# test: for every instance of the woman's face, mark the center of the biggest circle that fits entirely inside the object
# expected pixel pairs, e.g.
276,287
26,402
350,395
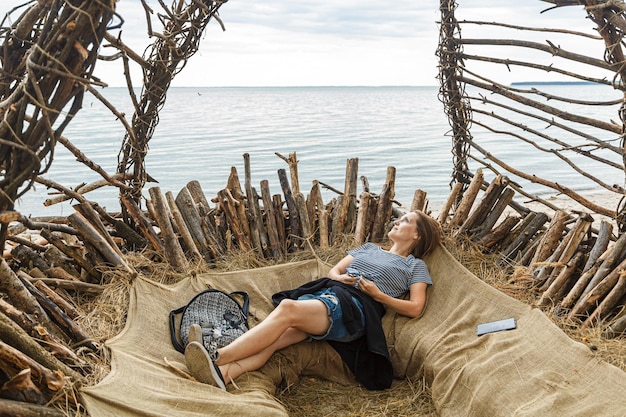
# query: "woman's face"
404,229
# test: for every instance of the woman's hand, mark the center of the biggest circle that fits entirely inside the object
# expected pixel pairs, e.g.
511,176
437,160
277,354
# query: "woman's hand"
347,279
338,272
369,288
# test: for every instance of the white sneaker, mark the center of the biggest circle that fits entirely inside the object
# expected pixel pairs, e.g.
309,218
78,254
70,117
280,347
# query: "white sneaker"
202,367
195,334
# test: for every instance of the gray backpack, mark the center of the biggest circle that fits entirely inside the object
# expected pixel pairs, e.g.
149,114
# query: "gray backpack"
221,317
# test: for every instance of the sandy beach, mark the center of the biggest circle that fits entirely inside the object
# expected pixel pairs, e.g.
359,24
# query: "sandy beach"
602,198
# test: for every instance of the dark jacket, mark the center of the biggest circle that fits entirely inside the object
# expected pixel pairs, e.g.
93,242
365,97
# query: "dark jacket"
367,357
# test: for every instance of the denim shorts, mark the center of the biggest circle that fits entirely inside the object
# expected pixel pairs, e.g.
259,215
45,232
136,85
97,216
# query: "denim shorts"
337,330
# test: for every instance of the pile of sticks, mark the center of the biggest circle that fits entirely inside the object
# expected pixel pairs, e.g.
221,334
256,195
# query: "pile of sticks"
576,268
190,228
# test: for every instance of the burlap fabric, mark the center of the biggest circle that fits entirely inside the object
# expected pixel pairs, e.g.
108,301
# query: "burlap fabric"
534,370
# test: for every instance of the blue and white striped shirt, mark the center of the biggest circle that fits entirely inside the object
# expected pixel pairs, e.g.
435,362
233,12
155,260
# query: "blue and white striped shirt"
391,273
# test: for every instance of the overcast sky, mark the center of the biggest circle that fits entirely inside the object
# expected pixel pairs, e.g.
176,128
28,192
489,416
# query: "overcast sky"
327,42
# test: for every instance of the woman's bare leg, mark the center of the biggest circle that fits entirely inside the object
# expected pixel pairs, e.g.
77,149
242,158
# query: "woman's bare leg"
232,370
307,316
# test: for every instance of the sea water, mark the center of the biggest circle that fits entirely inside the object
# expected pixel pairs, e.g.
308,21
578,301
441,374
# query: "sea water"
203,132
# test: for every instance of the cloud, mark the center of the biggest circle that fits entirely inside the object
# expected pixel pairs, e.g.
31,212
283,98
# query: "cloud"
349,18
322,42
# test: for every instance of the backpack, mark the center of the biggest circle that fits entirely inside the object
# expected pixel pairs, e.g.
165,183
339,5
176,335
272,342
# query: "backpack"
220,316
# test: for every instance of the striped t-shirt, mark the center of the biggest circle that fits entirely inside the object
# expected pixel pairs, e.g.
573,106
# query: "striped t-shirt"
392,274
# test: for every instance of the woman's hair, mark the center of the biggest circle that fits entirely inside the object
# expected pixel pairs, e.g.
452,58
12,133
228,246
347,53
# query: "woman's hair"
429,231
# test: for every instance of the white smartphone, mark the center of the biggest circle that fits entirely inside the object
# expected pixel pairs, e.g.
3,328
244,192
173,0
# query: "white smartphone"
496,326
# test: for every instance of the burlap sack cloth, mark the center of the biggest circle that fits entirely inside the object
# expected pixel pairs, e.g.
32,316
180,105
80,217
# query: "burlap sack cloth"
535,370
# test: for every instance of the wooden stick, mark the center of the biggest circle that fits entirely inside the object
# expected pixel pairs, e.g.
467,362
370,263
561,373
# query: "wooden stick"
529,251
19,338
242,215
91,235
18,317
58,349
517,246
142,223
86,188
12,361
499,232
590,269
26,242
21,297
593,297
58,272
292,162
335,218
11,408
550,239
617,253
280,221
73,252
462,211
383,212
582,226
229,205
360,233
314,203
559,285
609,302
272,227
92,217
198,196
187,207
616,329
348,209
261,226
9,216
27,256
602,242
576,292
492,217
234,185
54,256
525,221
21,386
294,218
69,326
445,210
183,230
173,251
485,205
419,201
77,286
254,213
323,224
65,305
152,213
542,273
307,232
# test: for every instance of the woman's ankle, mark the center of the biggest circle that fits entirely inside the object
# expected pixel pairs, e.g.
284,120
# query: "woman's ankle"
230,373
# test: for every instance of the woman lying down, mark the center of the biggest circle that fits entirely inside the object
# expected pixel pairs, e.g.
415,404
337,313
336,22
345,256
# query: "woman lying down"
345,309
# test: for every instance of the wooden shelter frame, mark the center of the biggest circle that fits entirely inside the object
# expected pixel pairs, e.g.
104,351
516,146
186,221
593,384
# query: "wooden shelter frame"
491,103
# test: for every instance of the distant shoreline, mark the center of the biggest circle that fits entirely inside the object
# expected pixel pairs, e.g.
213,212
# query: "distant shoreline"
554,83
